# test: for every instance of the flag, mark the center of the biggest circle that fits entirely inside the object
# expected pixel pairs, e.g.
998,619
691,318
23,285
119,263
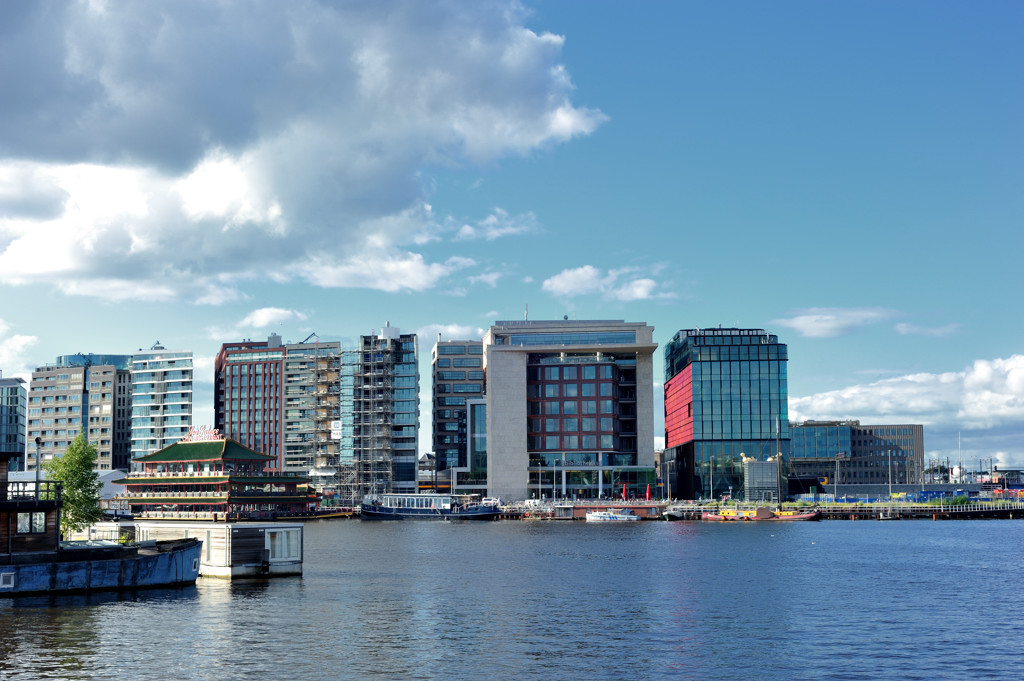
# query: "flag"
648,491
623,491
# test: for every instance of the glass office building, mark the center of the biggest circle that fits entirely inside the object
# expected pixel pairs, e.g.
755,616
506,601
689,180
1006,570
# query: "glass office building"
847,453
726,400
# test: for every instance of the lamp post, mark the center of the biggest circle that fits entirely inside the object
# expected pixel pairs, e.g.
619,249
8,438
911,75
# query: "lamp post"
39,466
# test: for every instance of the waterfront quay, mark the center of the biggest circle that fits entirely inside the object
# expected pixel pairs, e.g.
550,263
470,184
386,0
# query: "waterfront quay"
879,510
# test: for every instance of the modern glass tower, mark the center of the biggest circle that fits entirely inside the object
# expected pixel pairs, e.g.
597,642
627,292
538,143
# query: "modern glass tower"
726,400
161,398
13,409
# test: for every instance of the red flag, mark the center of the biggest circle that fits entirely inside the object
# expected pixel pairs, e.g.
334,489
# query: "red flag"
648,491
623,491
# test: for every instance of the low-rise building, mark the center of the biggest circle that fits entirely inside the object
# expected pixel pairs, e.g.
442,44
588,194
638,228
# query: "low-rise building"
212,480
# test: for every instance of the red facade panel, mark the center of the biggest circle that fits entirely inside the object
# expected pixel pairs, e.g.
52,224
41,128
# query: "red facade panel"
679,409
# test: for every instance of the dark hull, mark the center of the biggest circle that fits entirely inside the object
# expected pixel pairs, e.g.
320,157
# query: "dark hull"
170,563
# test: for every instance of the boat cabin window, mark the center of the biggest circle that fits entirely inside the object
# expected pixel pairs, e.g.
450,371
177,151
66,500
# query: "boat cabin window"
32,523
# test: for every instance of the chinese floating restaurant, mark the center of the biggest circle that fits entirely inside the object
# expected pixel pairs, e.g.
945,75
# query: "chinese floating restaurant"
214,479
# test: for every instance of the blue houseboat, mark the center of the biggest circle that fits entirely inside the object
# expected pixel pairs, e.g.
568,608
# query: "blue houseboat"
33,560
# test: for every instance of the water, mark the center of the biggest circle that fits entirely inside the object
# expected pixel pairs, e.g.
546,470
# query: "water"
562,600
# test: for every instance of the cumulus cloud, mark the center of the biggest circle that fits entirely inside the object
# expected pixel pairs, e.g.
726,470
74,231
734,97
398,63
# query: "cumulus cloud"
626,285
987,394
829,322
269,316
180,150
428,334
14,361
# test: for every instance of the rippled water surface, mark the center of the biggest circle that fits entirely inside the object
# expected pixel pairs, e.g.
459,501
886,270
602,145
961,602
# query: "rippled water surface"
563,600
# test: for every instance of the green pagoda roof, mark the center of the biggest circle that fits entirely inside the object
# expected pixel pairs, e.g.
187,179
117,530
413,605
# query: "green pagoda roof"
207,450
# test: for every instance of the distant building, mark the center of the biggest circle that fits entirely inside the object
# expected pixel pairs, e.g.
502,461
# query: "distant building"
384,399
847,453
160,398
458,378
568,410
725,398
83,393
346,417
13,421
247,396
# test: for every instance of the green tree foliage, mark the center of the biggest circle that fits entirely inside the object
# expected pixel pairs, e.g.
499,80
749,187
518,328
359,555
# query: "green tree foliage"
81,485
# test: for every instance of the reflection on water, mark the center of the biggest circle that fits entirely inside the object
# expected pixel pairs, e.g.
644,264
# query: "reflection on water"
559,600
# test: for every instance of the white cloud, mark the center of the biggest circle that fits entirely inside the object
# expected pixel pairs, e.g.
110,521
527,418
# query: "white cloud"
202,369
160,151
14,361
490,278
829,322
911,329
269,316
987,394
498,224
626,284
383,272
428,334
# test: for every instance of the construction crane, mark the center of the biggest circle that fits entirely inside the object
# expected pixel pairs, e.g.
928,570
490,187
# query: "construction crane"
312,335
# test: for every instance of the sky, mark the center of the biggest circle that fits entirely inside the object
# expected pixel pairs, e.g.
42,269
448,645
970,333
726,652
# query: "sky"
845,175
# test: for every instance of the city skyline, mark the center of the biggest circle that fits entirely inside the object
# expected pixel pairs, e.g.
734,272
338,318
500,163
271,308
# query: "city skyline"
846,177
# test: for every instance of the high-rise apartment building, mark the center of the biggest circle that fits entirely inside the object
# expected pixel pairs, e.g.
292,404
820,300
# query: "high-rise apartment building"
847,453
13,421
160,398
384,399
726,401
346,417
83,393
458,377
569,409
247,395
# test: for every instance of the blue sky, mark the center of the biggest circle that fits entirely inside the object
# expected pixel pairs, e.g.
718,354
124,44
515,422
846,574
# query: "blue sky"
846,175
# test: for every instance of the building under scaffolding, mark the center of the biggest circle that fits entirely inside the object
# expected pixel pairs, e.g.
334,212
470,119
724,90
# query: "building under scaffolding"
346,417
379,394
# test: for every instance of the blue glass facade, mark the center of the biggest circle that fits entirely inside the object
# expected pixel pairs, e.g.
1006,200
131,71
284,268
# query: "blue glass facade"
730,401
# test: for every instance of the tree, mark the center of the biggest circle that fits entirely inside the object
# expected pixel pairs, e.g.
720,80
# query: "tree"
81,485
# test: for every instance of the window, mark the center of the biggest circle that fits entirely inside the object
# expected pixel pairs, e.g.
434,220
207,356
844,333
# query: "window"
589,406
570,442
551,390
551,408
606,389
570,407
32,523
283,544
569,373
551,442
552,425
551,373
589,390
590,372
